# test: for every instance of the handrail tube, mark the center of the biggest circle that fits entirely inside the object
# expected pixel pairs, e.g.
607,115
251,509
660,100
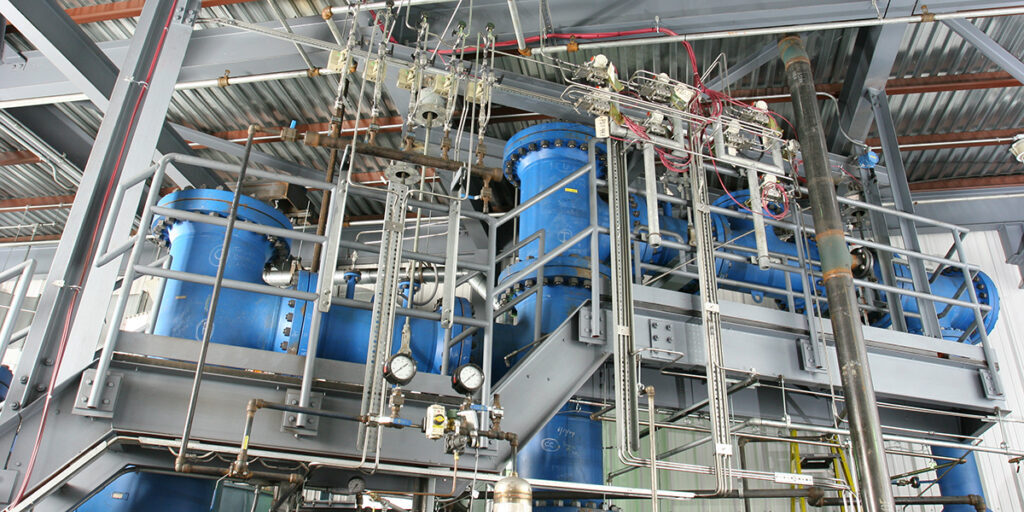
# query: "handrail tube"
13,271
536,198
253,227
381,195
228,283
546,258
28,267
119,250
418,256
519,245
409,312
979,322
114,327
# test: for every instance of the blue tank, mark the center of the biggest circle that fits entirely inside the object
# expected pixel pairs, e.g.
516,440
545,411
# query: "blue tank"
268,322
954,320
242,317
152,492
567,449
5,381
959,480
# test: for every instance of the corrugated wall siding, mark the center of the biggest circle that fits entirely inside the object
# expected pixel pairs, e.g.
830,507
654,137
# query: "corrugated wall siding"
1000,478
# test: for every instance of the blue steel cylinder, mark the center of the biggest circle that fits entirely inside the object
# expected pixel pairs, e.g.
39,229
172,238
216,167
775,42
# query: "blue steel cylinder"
567,449
134,492
729,228
243,318
5,381
960,479
955,320
345,332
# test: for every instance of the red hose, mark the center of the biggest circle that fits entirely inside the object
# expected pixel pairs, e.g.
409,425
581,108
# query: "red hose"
66,328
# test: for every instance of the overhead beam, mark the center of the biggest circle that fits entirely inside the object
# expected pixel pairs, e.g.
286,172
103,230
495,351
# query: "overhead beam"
126,9
75,56
874,54
18,158
979,182
767,54
991,49
901,86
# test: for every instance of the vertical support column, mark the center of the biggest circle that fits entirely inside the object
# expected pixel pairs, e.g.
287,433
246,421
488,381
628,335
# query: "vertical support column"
880,232
127,139
904,202
626,392
862,409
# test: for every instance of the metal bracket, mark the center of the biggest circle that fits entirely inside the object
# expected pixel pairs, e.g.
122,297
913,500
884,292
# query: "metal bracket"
586,333
662,336
988,384
108,397
288,419
811,360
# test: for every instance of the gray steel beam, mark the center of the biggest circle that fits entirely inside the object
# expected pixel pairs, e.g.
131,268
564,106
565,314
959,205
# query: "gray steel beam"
66,326
874,54
745,67
904,202
256,157
991,49
74,55
58,130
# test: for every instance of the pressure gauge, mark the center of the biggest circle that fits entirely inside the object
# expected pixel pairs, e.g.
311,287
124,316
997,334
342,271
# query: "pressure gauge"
400,369
467,379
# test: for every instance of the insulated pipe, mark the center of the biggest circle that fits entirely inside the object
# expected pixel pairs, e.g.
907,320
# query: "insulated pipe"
865,426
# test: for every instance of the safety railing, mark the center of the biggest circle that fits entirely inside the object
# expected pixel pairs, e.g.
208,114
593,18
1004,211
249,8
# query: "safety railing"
154,175
23,273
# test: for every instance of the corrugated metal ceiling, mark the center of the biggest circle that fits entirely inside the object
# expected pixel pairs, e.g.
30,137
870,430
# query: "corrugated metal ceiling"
927,50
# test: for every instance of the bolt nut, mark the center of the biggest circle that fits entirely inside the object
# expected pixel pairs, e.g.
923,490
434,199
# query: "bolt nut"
287,331
291,419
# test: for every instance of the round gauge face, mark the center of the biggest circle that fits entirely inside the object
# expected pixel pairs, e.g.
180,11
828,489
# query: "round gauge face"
400,369
468,378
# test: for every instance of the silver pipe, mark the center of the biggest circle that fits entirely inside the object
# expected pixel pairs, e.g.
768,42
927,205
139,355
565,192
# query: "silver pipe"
154,310
28,267
513,11
211,313
807,27
375,6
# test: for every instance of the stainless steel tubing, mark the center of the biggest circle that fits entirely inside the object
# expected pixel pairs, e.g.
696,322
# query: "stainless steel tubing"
214,298
865,426
375,6
240,224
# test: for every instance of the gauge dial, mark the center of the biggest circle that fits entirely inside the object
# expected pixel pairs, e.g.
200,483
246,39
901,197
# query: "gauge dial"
400,369
467,379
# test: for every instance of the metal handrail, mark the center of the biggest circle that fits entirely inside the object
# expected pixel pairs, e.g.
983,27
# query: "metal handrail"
24,272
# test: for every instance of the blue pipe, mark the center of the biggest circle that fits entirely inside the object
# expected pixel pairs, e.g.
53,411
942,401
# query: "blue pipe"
960,479
540,156
567,449
267,322
152,492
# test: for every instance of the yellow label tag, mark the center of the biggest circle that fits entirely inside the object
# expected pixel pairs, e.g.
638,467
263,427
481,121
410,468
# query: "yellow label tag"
245,443
574,191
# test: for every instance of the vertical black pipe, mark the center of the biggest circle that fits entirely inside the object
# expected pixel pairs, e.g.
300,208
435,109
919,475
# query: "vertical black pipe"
865,427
